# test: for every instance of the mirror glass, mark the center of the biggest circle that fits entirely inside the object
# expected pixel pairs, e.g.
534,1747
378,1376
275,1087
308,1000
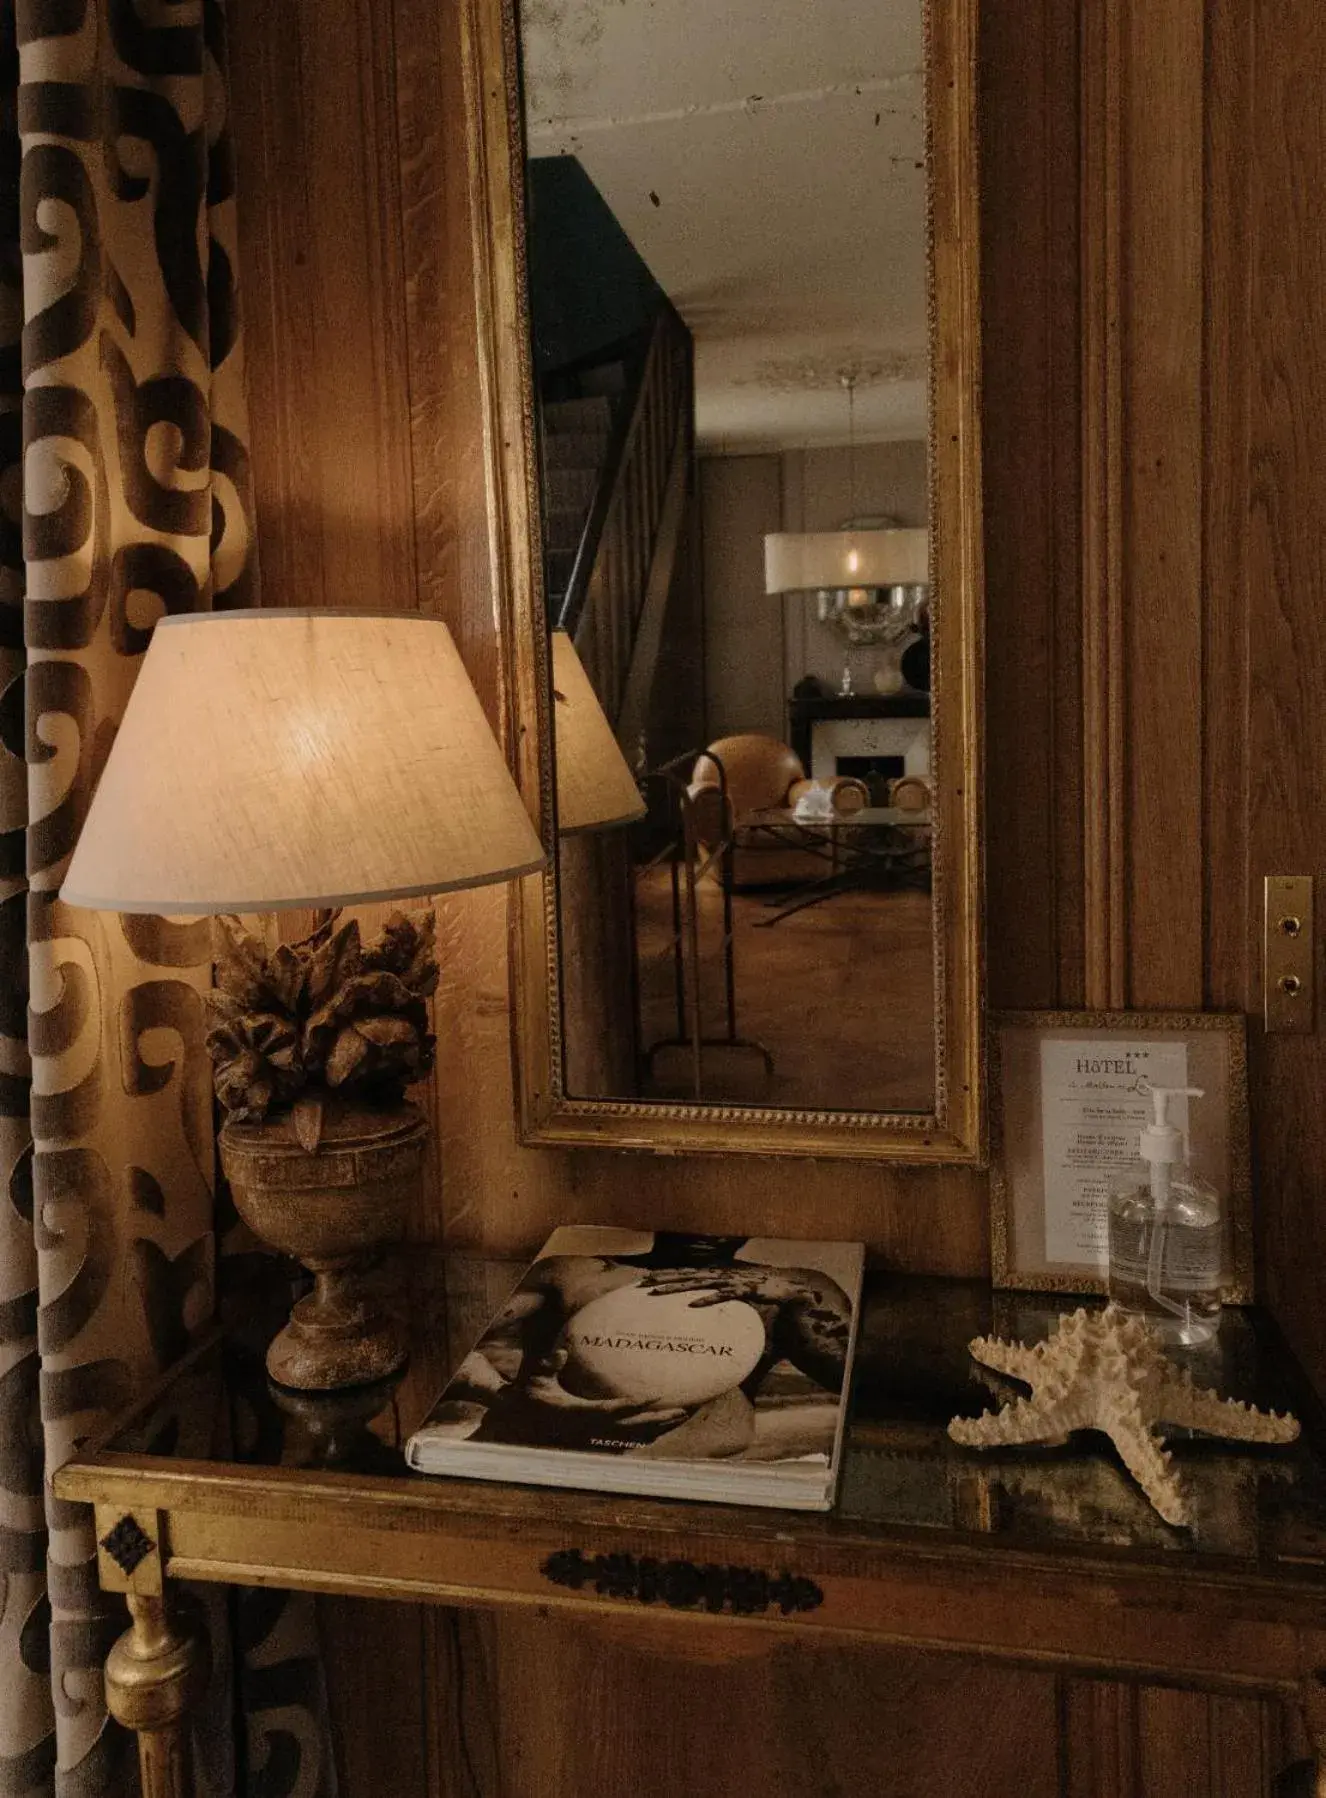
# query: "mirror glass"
727,275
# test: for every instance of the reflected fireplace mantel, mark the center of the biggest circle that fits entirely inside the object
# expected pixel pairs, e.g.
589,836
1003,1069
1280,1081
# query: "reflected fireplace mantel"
804,714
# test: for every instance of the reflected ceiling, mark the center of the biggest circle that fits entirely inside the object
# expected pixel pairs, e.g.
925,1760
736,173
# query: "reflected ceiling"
767,162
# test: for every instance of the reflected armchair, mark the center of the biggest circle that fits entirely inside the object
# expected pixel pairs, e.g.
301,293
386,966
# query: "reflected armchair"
761,774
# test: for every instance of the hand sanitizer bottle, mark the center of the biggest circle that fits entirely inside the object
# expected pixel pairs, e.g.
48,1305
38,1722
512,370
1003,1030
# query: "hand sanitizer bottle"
1165,1236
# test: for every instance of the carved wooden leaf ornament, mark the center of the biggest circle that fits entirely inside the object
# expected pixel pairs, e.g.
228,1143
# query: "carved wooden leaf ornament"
241,961
306,1114
329,1013
332,963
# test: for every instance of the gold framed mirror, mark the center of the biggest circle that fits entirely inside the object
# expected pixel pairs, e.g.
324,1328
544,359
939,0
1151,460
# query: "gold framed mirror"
727,291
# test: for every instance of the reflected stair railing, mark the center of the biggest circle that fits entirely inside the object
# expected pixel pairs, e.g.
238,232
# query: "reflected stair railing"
619,583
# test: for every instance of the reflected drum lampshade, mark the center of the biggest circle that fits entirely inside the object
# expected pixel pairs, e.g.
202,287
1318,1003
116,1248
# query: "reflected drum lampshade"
595,788
818,561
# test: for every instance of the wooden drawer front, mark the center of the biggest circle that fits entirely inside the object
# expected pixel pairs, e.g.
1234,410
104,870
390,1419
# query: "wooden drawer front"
1089,1621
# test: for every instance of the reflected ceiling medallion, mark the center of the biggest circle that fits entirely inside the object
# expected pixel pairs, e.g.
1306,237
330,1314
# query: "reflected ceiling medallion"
870,579
835,370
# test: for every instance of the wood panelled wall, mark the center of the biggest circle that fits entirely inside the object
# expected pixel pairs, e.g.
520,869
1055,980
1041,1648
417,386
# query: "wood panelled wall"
1155,390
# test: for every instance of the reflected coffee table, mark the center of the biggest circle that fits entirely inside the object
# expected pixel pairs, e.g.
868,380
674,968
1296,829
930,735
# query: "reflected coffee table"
881,846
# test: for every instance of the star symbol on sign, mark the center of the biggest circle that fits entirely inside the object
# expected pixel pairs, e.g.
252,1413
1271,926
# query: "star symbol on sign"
1108,1371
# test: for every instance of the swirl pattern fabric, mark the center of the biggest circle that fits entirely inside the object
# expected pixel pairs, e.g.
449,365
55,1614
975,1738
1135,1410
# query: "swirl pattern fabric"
124,495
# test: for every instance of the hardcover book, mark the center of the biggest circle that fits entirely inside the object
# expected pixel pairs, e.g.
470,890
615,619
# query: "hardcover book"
680,1366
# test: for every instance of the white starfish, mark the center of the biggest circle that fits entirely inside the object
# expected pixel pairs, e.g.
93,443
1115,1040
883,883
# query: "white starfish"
1107,1370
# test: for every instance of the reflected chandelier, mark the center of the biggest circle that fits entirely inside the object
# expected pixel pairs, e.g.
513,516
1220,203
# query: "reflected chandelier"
870,583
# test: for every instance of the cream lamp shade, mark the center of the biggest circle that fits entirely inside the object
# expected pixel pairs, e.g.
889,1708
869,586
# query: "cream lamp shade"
283,758
595,787
813,561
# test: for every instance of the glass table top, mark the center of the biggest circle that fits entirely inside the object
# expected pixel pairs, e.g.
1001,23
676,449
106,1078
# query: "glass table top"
1263,1508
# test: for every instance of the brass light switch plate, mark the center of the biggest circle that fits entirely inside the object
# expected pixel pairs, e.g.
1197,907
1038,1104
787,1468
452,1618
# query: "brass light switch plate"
1288,994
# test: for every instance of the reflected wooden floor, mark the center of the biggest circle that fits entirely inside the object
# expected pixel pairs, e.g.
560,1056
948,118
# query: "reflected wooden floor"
841,994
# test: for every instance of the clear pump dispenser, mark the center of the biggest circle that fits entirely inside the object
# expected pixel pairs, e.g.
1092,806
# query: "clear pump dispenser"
1165,1236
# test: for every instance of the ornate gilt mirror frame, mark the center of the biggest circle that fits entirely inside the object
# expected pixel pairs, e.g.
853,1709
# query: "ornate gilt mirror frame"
955,1130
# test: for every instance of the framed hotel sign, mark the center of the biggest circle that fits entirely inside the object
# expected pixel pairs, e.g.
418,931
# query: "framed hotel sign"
1069,1096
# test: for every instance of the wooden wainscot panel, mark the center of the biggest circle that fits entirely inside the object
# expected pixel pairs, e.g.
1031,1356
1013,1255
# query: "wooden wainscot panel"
552,1705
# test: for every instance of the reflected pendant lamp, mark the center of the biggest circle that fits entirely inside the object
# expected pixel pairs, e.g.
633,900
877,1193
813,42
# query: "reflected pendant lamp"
856,561
829,561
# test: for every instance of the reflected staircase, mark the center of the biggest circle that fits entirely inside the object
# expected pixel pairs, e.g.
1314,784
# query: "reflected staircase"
617,447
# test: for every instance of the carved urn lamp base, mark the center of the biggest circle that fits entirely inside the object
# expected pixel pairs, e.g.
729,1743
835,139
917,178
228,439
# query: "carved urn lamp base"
335,1337
334,1207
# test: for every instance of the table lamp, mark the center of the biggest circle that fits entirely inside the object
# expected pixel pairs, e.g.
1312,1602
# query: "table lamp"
595,787
278,759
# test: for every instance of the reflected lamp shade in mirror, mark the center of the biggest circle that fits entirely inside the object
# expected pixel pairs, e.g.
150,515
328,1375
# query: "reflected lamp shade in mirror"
595,787
271,759
813,561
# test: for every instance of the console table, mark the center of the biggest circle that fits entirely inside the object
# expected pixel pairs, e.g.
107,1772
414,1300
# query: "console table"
1048,1557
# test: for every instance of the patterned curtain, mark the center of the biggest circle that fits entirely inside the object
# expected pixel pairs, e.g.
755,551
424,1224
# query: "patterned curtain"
124,494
